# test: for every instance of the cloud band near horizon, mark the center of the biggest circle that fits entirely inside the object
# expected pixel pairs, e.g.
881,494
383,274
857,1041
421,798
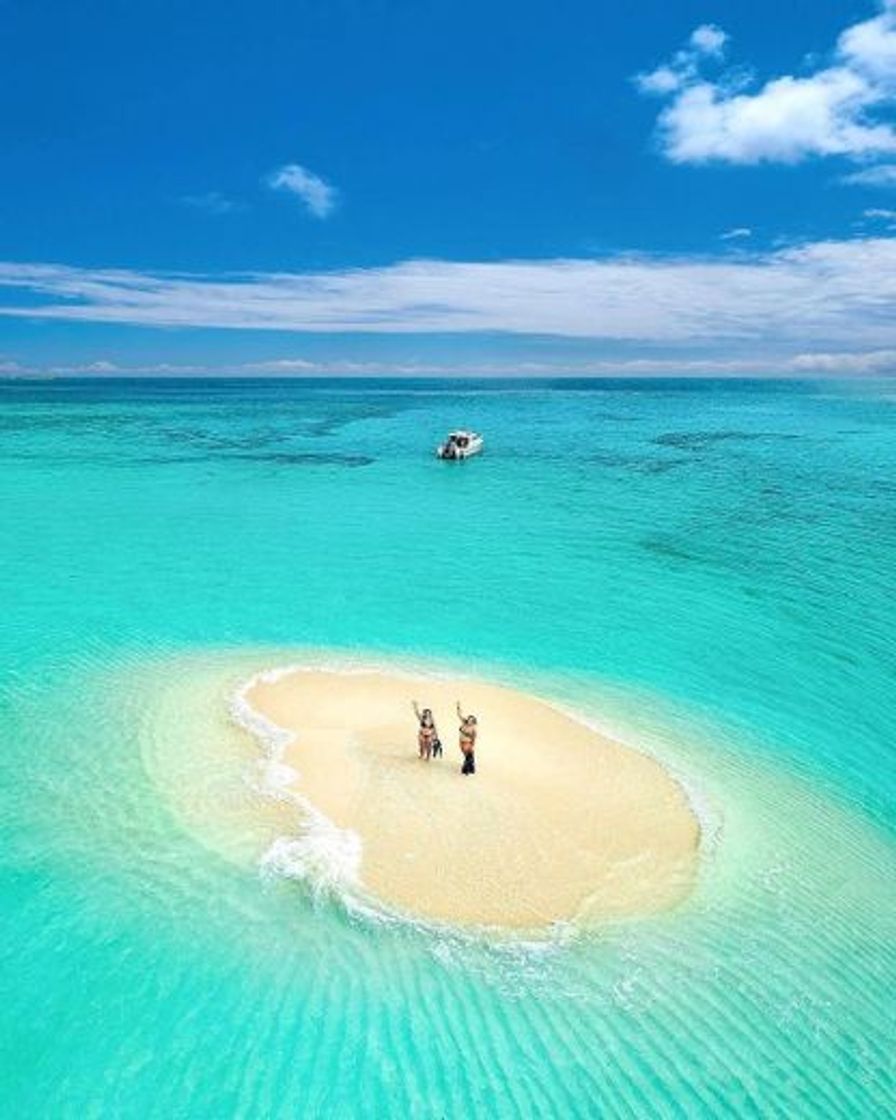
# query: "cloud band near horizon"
828,294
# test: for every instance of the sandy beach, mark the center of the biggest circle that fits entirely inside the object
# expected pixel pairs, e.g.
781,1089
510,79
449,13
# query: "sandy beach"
558,823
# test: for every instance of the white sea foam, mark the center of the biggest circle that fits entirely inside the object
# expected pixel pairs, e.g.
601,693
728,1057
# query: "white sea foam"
322,855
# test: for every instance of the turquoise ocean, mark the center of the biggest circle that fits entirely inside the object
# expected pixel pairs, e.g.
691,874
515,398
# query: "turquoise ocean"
705,568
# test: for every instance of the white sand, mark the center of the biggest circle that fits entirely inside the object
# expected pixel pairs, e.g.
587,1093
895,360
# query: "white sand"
558,823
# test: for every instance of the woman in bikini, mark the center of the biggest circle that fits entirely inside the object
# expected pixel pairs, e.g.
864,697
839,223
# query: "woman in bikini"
468,729
427,736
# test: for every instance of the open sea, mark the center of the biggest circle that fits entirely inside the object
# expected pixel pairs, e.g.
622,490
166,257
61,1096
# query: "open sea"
706,568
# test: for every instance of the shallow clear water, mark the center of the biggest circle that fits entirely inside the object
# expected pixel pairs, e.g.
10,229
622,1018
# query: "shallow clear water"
707,568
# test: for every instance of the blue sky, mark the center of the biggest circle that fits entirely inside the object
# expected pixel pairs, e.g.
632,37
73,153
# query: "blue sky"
340,187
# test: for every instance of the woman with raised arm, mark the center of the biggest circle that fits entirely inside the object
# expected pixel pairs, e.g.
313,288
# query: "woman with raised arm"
427,736
468,729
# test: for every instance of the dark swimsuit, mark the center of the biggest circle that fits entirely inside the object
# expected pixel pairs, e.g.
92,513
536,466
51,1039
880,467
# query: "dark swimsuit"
429,738
469,766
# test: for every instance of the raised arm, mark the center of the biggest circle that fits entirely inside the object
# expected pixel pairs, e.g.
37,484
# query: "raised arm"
416,708
460,714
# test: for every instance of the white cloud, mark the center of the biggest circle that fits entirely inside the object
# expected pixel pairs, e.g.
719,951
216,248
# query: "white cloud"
283,365
838,293
835,364
212,202
884,175
113,369
870,47
876,213
708,39
317,195
736,234
839,110
845,363
100,367
768,365
665,79
870,362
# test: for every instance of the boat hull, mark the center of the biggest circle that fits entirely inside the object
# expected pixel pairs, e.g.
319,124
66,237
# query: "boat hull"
456,454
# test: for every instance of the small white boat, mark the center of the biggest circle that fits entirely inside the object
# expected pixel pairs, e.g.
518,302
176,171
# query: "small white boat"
460,445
